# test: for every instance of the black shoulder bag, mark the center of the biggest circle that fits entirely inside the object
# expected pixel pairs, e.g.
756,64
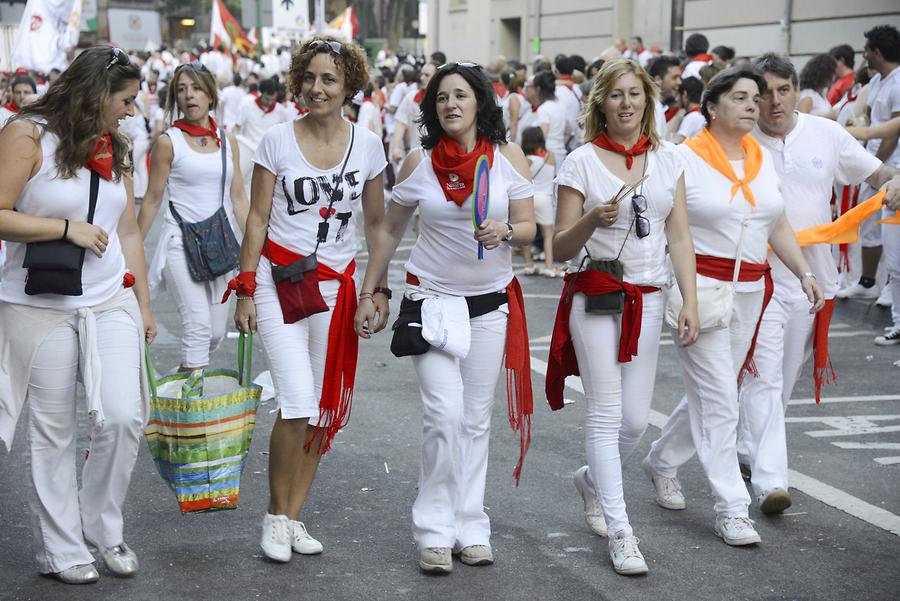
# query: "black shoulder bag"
210,245
54,266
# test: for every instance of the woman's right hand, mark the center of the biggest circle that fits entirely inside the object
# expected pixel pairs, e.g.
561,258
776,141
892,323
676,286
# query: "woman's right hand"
364,321
604,215
88,236
245,315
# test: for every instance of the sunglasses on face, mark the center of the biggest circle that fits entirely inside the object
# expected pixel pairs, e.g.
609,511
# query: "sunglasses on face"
118,58
324,46
641,223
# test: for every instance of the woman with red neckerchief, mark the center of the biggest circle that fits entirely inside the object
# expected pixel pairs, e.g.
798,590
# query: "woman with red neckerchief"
449,284
187,159
736,211
310,177
605,212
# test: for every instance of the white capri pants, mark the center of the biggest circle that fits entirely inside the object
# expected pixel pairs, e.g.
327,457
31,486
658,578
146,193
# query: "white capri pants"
706,419
64,517
457,401
618,396
295,352
203,315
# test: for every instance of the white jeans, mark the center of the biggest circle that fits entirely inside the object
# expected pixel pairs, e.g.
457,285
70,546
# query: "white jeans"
706,419
63,516
618,396
782,348
890,236
203,315
457,400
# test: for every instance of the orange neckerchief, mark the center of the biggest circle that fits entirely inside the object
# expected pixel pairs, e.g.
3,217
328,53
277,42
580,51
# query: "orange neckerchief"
708,148
844,229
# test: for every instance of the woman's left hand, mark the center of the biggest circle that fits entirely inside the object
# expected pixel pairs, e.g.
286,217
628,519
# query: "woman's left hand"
814,293
688,325
149,325
491,233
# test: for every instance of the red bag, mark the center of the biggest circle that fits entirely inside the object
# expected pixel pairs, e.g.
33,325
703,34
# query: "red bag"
297,285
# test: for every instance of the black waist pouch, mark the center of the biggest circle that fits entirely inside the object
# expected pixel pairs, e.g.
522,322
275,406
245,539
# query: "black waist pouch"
611,303
407,340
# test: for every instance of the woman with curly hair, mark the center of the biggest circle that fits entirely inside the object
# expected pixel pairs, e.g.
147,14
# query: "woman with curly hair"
68,182
816,77
474,294
310,176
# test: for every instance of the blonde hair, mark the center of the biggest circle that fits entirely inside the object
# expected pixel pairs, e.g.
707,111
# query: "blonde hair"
606,78
200,76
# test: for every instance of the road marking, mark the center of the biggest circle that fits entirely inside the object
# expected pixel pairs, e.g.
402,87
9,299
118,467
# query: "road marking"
848,399
894,446
851,425
887,460
810,486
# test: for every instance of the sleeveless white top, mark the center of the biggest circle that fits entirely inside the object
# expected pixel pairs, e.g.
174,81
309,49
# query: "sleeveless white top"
48,195
195,180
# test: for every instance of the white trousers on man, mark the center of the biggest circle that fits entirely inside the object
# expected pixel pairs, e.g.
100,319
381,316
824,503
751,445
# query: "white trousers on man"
617,394
64,517
890,236
706,418
782,348
457,402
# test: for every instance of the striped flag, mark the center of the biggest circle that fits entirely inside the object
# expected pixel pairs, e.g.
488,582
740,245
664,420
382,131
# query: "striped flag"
225,30
346,23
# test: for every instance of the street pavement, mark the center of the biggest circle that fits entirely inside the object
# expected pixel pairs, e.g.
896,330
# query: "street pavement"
839,541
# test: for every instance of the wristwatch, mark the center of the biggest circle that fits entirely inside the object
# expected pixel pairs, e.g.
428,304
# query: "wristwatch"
509,234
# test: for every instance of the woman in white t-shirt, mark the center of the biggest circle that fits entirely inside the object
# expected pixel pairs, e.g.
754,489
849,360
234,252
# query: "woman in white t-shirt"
187,160
472,307
606,212
68,144
550,114
513,104
310,177
542,165
816,77
735,209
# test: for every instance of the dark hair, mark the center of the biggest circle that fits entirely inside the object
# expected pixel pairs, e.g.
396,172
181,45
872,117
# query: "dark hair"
696,44
564,65
885,38
693,87
73,106
578,62
723,82
268,86
489,116
438,58
532,139
236,80
724,52
660,65
777,65
408,73
818,72
541,66
545,84
843,53
639,39
509,79
23,79
597,64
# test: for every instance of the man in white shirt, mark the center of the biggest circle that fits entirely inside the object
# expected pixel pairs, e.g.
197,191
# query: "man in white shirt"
404,81
230,102
693,120
569,96
666,73
636,51
257,117
696,47
809,154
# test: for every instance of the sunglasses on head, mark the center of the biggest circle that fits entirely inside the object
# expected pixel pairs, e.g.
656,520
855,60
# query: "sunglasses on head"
324,46
194,65
641,223
118,58
467,65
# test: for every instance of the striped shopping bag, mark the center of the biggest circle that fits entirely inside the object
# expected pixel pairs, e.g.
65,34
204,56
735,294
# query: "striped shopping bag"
200,430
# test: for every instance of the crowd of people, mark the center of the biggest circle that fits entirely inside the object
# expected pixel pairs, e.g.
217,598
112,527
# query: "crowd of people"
666,190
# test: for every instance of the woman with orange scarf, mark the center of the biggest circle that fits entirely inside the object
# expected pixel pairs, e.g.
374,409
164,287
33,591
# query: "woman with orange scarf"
736,211
446,280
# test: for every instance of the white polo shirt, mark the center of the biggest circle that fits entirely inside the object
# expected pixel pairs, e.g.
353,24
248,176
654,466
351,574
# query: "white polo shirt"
814,156
884,100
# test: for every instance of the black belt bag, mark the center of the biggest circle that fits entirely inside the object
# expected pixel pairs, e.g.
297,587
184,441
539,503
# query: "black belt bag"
54,267
609,303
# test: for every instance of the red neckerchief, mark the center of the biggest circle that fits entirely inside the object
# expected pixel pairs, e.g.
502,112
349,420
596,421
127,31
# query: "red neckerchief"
101,160
641,146
341,351
365,99
455,168
823,370
301,110
500,89
566,80
540,152
535,107
671,112
702,57
265,110
11,106
695,109
420,94
563,362
255,94
192,129
723,270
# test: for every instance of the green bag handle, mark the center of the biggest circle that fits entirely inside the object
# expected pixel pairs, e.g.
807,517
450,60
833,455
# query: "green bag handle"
245,361
151,373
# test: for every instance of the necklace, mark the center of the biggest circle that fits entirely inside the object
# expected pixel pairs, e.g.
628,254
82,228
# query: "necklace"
203,141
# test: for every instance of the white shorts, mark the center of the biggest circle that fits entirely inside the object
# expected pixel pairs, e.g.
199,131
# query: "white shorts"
544,212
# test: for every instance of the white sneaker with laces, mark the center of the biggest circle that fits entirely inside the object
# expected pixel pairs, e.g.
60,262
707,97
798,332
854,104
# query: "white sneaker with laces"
276,537
625,555
593,511
736,531
668,490
436,560
889,339
302,542
857,290
886,298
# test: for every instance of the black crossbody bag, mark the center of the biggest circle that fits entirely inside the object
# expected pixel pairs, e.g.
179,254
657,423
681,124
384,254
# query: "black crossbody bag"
210,245
54,266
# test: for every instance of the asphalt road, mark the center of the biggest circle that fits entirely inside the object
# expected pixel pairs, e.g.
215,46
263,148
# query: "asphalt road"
840,541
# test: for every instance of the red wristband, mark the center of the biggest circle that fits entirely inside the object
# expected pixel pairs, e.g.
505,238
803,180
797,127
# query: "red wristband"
244,284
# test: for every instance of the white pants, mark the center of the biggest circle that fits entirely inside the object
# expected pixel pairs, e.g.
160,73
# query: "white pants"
457,400
203,315
139,158
890,236
618,396
63,516
782,348
869,230
706,419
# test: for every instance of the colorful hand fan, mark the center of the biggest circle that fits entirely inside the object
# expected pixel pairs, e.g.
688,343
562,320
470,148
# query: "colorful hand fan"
481,196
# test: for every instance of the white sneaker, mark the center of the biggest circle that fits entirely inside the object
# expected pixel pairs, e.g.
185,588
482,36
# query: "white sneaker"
593,511
625,555
436,560
774,500
668,490
857,290
886,298
302,542
889,339
736,531
476,555
276,537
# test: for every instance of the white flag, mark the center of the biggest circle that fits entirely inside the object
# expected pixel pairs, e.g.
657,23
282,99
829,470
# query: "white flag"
48,30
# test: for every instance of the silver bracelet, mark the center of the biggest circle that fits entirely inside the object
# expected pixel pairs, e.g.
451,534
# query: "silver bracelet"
807,274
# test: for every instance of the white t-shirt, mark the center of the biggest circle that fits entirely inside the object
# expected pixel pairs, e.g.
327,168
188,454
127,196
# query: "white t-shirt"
398,92
552,113
643,259
884,99
255,122
369,117
820,106
230,102
691,124
47,195
692,69
814,156
407,113
445,257
660,116
570,100
542,174
716,223
302,193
